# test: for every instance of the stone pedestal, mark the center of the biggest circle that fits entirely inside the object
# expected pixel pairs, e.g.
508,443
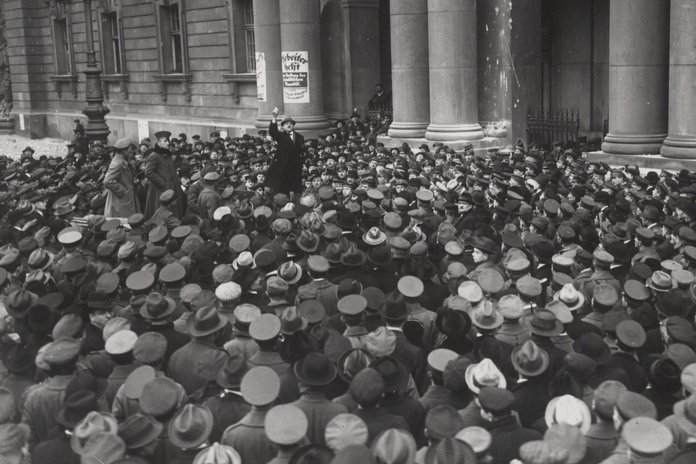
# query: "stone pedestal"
410,72
638,76
681,141
300,32
453,71
267,41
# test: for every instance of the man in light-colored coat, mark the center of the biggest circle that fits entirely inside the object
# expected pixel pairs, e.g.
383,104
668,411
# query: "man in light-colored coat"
121,201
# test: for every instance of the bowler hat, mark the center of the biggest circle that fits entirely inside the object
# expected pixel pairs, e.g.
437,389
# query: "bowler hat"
315,369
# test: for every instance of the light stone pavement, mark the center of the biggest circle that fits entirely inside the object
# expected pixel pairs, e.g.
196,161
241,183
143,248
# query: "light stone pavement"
12,145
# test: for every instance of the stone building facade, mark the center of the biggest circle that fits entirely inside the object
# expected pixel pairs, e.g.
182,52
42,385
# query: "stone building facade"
458,70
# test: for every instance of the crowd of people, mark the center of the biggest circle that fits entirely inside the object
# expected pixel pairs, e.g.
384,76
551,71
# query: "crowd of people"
276,299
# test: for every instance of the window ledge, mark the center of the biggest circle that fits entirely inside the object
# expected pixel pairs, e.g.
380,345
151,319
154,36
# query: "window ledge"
234,79
239,77
63,77
184,79
60,80
174,77
114,77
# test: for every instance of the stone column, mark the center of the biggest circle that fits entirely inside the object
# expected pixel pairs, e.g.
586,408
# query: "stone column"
267,37
410,76
300,31
681,141
638,76
453,71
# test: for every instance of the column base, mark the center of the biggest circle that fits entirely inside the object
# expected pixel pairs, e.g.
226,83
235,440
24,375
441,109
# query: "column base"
262,121
633,144
676,147
450,132
644,162
407,130
480,146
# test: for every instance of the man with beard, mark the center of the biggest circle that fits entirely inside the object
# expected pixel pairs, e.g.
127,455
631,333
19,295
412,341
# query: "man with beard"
161,172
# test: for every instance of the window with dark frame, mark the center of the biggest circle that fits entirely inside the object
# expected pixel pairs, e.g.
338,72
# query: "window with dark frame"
111,43
62,46
175,38
249,43
172,39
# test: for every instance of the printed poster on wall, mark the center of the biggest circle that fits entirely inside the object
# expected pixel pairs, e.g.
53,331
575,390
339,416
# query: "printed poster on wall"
261,76
295,68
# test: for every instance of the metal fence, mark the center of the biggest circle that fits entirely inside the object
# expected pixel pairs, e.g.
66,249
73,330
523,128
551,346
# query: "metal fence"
547,128
381,109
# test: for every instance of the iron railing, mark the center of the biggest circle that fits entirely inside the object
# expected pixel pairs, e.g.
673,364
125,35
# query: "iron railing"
547,128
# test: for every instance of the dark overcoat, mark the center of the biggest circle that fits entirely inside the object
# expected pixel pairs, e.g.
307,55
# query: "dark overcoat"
285,173
161,174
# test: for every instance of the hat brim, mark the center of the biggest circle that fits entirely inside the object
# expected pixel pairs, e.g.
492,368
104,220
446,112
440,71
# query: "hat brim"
530,373
25,312
171,306
182,443
307,249
191,329
304,325
298,275
147,439
680,415
526,322
469,379
318,381
586,416
493,325
580,303
652,286
363,260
